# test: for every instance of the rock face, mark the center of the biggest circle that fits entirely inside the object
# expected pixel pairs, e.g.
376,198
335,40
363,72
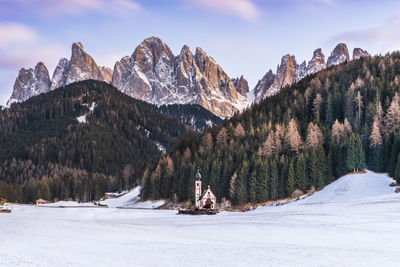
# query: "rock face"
80,67
317,63
339,55
30,82
107,74
60,74
289,72
359,53
263,85
241,85
153,74
286,74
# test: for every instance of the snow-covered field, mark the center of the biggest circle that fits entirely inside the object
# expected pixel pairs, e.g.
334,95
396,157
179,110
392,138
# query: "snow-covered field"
355,221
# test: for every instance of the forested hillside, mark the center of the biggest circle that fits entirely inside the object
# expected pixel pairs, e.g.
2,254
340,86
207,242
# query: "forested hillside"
78,142
341,119
192,115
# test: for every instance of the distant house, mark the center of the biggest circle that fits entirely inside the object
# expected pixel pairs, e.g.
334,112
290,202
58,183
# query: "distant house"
41,201
205,199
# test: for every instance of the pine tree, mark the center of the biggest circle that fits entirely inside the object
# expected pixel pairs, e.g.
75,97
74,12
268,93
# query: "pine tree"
397,170
291,186
351,157
262,181
301,172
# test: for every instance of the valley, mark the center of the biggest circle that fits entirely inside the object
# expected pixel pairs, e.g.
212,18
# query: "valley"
350,222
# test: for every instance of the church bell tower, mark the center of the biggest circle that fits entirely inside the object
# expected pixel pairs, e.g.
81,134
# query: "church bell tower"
197,190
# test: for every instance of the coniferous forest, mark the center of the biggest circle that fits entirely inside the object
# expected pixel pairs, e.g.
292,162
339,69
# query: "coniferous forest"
342,119
45,152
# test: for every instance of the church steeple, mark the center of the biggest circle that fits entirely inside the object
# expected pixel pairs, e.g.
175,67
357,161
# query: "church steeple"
198,175
197,190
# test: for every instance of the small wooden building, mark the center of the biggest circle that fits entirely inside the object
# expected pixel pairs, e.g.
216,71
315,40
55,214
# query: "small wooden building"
41,201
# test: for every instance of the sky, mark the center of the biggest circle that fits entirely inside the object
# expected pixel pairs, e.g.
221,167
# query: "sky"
246,37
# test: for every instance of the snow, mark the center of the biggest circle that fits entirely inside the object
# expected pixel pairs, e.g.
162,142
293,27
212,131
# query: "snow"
82,119
61,204
132,200
352,222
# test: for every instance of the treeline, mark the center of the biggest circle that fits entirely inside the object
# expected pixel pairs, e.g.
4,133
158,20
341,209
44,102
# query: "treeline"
342,119
23,181
117,136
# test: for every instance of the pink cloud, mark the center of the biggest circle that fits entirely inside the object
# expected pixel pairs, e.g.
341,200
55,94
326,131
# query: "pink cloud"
385,35
76,7
244,9
13,33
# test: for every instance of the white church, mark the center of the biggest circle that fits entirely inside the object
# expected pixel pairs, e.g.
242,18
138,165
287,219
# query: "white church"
205,199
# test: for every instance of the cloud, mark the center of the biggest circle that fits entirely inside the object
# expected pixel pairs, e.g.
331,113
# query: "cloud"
244,9
21,46
385,35
75,7
13,33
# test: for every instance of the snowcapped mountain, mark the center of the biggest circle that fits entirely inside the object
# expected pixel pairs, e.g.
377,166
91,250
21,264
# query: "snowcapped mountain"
289,71
80,67
153,74
358,53
339,55
30,82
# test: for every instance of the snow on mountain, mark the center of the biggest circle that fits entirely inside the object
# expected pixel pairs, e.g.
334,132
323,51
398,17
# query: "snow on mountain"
60,74
339,55
153,74
359,53
83,119
289,71
80,67
30,82
317,63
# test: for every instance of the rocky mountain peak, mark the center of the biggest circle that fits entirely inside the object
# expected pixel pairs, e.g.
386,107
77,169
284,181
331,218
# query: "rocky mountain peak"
155,75
339,55
317,63
286,72
30,82
82,66
263,85
241,84
60,74
77,46
359,53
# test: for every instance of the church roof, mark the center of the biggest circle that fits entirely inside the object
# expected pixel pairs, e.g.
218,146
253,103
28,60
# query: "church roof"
205,191
198,175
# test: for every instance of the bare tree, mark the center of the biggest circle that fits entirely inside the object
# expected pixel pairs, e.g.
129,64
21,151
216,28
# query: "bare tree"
314,136
375,137
293,138
337,132
358,101
392,118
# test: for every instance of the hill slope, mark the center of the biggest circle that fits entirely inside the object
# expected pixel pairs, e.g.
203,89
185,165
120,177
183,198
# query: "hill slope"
341,119
78,132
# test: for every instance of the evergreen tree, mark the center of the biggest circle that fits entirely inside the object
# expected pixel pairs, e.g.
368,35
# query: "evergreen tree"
291,186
